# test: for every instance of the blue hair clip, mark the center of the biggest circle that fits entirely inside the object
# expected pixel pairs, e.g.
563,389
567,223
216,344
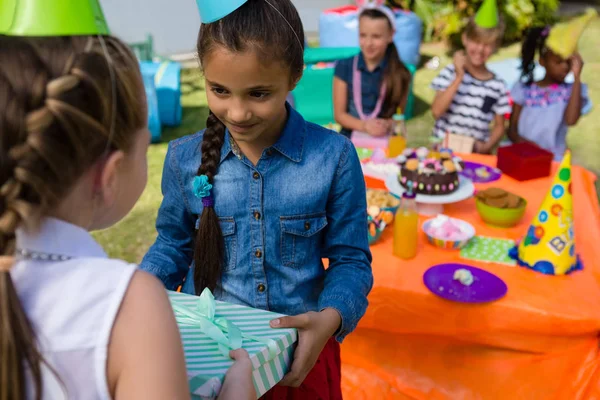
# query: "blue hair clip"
203,190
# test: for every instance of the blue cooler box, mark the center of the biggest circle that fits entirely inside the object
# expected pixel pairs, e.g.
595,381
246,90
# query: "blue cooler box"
167,80
153,114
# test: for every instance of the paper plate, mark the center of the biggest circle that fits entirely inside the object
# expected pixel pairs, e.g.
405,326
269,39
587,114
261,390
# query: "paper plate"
486,286
480,173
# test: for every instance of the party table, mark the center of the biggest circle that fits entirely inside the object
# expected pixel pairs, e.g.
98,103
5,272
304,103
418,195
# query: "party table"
538,342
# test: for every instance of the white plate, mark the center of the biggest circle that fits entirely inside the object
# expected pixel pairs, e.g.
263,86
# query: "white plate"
371,172
465,191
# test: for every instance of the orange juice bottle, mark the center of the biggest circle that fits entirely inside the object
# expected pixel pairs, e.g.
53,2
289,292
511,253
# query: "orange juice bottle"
397,142
406,227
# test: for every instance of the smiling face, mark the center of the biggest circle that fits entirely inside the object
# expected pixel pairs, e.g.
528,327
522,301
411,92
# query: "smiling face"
247,95
375,35
478,51
557,68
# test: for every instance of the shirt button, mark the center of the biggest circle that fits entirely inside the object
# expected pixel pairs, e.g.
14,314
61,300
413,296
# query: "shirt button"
261,288
256,175
307,225
256,215
258,253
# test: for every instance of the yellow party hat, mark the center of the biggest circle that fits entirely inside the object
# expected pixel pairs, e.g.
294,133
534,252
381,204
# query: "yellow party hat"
549,246
563,37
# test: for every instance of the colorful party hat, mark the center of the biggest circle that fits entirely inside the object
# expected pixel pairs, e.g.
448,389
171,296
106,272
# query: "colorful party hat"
213,10
52,18
487,15
563,37
549,245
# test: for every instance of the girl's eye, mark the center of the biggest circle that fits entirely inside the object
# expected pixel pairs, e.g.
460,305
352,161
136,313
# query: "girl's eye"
219,91
259,95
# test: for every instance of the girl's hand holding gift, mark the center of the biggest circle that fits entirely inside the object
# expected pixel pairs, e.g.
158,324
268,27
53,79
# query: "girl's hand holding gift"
314,331
238,381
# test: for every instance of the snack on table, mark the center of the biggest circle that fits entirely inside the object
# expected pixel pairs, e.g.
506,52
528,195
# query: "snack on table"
464,276
426,172
500,198
381,199
443,227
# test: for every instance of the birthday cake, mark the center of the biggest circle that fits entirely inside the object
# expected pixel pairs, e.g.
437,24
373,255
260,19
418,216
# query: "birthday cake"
429,173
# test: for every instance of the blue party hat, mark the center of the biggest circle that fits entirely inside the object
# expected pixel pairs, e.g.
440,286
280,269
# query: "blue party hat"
214,10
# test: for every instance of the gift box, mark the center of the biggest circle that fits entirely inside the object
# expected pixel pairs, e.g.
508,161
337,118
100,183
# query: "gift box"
210,329
525,161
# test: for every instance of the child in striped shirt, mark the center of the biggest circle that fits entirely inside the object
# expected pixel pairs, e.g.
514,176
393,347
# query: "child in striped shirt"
471,100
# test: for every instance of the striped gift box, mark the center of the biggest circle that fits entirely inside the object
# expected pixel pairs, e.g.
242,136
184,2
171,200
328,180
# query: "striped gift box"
207,366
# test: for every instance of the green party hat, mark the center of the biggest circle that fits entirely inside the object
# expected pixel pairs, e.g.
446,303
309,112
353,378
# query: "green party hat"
52,18
487,15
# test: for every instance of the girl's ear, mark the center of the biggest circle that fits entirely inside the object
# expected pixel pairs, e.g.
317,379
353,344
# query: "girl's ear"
464,39
294,82
107,181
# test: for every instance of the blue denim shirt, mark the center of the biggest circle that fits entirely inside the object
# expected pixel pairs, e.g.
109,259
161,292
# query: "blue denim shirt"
370,84
303,201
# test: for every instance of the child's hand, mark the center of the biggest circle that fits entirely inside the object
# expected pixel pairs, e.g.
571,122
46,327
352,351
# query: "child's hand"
481,147
377,127
238,383
314,330
576,65
460,60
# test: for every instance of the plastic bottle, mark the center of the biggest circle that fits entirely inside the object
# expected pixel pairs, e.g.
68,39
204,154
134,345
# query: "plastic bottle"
397,142
406,227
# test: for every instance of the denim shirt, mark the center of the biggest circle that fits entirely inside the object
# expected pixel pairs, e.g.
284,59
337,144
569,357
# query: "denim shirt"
303,201
370,84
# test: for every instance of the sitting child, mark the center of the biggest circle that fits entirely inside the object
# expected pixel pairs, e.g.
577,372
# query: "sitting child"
369,87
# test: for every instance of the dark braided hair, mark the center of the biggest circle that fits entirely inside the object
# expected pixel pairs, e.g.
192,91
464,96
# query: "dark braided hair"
535,42
259,26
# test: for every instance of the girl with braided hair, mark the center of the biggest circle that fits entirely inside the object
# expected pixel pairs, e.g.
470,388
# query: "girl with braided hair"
254,203
73,140
544,110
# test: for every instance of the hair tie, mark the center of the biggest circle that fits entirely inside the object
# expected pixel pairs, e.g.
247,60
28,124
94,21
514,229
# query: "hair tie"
546,31
203,190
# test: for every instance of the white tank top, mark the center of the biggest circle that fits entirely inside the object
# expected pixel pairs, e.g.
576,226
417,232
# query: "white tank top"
72,306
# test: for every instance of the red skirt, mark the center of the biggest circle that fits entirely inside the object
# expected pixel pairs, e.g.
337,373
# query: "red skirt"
324,381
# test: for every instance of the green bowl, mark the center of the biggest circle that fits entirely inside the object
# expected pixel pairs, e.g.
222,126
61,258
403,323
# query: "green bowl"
501,217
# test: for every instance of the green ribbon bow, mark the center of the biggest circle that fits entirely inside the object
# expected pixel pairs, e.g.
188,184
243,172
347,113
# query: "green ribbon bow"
227,335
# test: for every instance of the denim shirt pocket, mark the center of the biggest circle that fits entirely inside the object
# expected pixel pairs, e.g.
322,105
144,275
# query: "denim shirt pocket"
300,237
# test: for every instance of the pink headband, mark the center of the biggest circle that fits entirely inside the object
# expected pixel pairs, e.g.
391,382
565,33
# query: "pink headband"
381,8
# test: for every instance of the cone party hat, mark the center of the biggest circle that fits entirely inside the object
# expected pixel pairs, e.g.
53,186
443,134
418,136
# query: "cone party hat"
563,37
549,245
52,18
214,10
487,15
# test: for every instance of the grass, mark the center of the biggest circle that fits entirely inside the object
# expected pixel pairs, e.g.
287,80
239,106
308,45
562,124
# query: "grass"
131,238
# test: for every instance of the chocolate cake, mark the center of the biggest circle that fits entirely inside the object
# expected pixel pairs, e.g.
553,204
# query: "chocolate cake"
430,174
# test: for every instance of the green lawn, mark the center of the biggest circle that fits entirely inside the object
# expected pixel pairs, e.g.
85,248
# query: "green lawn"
131,238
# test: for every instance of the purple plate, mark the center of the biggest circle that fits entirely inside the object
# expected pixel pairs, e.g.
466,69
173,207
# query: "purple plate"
486,286
480,173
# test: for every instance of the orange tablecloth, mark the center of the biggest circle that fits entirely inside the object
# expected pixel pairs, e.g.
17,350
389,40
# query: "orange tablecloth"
538,342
